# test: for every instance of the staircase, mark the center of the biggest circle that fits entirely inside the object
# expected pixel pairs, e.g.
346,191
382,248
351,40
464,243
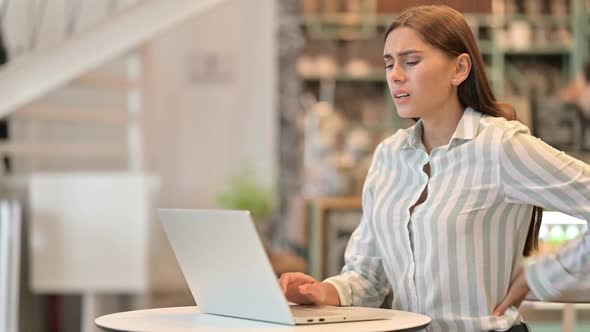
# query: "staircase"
91,124
101,69
74,103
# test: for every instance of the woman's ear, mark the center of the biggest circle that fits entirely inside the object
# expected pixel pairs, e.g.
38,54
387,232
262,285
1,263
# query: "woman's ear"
462,70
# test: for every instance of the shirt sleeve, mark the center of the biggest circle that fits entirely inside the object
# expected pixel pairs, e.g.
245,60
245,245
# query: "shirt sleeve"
363,281
533,172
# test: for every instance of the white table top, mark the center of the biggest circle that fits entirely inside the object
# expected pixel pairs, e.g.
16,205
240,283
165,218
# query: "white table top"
185,319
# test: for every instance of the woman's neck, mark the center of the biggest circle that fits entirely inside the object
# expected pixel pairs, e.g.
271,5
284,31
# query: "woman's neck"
439,127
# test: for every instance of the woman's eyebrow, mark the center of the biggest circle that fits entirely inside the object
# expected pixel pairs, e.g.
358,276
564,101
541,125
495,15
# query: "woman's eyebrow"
388,56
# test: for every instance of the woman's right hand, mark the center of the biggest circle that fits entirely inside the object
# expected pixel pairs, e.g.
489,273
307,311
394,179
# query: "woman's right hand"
302,289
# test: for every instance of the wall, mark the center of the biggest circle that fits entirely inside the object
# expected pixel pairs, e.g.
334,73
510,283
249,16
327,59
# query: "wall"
210,109
211,102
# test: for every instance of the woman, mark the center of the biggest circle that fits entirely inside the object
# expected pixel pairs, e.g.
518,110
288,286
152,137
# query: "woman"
577,100
447,203
578,91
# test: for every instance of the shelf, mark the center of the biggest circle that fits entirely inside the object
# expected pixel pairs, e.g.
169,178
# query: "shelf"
537,50
536,20
489,20
346,26
494,35
384,20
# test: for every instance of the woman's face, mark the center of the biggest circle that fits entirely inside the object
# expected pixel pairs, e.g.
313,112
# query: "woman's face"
419,75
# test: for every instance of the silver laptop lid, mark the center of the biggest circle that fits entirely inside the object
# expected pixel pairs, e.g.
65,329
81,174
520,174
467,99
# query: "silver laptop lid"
225,265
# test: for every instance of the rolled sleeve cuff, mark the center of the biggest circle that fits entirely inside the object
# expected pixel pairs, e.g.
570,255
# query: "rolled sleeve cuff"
343,289
547,278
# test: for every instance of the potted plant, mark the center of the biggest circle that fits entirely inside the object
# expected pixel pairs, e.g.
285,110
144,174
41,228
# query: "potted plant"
246,193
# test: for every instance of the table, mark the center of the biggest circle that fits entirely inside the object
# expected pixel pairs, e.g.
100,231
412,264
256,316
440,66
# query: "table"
189,319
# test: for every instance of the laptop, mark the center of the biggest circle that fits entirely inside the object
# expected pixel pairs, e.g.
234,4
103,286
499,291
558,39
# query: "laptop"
229,274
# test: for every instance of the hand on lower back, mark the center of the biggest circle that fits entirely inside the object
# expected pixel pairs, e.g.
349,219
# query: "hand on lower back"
517,292
302,289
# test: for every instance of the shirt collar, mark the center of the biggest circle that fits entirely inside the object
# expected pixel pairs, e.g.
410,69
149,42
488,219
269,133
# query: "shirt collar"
414,141
466,130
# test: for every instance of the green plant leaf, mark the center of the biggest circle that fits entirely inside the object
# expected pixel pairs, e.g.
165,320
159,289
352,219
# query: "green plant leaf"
246,193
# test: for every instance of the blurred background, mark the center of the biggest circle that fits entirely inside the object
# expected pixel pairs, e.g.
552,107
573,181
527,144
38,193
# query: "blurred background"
111,109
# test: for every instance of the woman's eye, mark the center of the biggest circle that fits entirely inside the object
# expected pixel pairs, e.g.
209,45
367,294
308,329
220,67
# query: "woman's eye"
388,66
412,63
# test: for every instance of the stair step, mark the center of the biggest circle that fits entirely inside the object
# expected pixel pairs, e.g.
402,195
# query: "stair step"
104,81
68,114
64,150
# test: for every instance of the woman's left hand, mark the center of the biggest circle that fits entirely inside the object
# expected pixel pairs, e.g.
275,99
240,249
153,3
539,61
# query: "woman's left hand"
517,292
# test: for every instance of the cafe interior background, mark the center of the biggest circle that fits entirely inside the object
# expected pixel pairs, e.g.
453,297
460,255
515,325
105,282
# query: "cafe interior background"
112,109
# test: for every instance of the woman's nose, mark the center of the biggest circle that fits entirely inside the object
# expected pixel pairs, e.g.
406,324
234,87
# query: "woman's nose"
396,74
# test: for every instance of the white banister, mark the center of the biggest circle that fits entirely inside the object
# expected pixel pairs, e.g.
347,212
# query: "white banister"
33,75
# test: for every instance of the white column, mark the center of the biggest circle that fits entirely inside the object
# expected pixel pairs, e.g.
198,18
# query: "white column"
14,269
134,106
4,266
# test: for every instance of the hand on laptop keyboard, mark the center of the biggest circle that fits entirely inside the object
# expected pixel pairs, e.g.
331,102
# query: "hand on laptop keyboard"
302,289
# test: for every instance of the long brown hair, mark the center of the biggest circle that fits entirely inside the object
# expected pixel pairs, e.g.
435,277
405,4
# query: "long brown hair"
446,29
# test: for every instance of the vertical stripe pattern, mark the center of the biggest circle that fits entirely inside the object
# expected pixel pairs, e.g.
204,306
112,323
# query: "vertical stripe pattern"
453,257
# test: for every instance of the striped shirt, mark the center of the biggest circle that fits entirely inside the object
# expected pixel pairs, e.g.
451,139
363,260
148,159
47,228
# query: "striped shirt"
453,257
